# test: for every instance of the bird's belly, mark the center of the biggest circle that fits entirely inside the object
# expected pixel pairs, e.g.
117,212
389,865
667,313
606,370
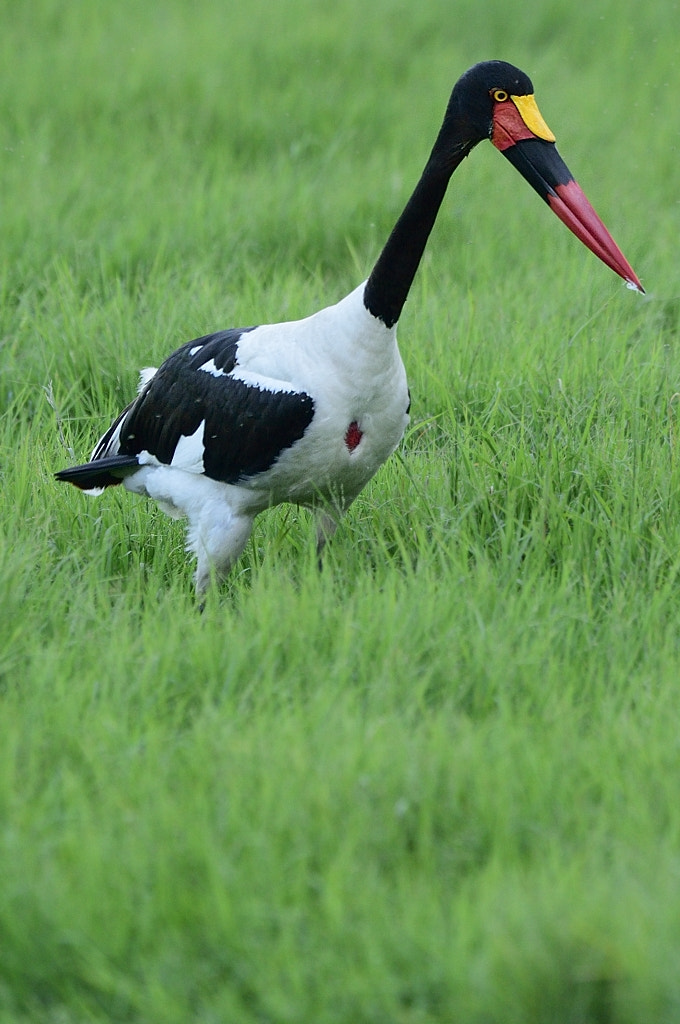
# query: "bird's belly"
335,459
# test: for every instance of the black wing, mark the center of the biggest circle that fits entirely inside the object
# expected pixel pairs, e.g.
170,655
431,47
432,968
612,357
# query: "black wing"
104,472
246,427
106,467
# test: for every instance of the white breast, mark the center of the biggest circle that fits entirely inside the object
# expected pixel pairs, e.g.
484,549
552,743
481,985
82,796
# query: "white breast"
349,363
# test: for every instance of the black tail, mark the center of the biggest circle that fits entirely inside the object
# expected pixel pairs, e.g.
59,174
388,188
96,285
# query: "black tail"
105,472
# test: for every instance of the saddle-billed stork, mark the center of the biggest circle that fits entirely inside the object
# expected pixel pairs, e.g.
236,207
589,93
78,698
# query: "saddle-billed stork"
306,411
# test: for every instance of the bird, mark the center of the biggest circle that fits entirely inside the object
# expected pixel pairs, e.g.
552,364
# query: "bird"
306,411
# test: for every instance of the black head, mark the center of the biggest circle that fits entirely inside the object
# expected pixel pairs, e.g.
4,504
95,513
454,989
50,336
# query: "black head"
471,104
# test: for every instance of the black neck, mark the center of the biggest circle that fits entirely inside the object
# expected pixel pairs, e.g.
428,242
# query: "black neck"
388,286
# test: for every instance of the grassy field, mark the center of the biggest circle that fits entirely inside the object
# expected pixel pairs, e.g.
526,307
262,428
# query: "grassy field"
439,782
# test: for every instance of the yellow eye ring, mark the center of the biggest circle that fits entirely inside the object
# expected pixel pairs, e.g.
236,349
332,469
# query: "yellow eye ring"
500,95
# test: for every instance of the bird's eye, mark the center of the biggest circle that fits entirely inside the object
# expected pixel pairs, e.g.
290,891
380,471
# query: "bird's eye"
500,95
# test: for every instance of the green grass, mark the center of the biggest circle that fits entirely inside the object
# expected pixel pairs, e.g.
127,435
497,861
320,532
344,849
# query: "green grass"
438,782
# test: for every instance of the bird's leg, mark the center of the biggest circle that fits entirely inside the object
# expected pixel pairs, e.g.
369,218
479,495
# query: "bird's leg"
326,525
217,545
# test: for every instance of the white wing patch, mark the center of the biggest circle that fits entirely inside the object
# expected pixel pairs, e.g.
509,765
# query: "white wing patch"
195,349
210,367
145,375
189,450
262,382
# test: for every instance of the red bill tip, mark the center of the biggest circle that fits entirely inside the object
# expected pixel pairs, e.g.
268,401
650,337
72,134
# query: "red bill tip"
573,208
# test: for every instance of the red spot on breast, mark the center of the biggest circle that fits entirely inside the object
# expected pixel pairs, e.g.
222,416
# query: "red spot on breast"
353,436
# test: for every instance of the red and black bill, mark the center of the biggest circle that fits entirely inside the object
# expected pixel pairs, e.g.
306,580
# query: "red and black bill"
522,135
